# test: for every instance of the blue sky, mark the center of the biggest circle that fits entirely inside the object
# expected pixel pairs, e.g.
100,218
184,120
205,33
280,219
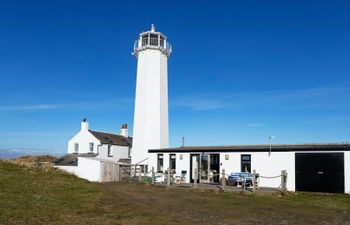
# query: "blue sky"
240,70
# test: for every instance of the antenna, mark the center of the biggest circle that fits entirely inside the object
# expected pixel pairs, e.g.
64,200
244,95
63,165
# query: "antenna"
183,141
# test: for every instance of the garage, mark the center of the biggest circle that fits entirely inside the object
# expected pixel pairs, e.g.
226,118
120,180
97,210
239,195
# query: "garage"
319,172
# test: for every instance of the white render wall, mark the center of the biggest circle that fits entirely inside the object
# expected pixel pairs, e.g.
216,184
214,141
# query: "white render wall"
151,104
118,152
181,165
265,165
88,168
83,138
347,171
69,169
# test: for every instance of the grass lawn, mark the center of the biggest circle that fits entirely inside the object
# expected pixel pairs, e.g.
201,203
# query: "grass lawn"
35,196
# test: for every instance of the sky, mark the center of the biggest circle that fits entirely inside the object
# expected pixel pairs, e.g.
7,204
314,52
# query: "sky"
240,71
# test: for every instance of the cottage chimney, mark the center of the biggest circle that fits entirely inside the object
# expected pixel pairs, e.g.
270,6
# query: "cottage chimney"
124,130
84,124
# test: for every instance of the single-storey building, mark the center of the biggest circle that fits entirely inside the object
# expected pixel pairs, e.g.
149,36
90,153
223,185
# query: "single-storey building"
310,167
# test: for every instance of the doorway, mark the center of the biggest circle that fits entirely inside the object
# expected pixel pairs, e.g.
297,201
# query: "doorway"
208,165
319,172
214,167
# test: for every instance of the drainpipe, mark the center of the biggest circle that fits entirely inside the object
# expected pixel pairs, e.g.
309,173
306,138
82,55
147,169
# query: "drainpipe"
98,148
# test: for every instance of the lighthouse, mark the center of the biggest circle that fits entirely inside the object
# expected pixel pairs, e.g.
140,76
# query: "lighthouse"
151,101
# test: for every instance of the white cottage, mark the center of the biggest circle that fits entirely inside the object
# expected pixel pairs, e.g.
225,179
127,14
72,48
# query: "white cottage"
90,152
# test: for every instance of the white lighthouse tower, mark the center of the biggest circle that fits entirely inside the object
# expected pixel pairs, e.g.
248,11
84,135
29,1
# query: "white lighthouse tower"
151,102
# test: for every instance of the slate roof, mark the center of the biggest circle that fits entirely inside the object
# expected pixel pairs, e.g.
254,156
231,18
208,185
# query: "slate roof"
258,148
71,159
112,139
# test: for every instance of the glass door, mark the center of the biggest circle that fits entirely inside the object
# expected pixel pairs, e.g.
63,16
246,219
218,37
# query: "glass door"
204,168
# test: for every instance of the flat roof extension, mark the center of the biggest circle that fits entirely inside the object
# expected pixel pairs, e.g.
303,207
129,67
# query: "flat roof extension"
256,148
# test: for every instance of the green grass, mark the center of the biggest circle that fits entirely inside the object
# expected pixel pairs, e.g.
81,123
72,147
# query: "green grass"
34,196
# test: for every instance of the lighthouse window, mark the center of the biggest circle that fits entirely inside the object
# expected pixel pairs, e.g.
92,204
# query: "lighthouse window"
154,40
161,41
144,40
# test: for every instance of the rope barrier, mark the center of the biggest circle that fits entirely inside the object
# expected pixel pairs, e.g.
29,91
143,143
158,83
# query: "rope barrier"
270,177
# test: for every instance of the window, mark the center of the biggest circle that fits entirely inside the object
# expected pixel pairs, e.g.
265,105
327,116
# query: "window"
153,40
161,41
109,151
76,147
144,168
129,152
245,163
172,161
145,40
91,147
160,163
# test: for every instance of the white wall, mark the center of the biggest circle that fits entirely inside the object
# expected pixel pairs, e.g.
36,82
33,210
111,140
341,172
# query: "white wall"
347,171
232,165
151,104
264,164
83,138
118,152
68,169
272,165
183,164
89,168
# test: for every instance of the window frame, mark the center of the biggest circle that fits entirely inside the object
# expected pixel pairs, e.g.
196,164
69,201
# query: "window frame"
246,163
172,161
160,163
109,151
91,147
76,148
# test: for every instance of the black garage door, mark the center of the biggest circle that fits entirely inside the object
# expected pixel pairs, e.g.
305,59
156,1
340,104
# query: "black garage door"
319,172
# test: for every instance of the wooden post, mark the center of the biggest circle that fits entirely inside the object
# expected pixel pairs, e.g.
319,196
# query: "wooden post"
168,183
140,177
134,169
283,181
195,185
223,180
153,176
254,181
140,174
119,178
